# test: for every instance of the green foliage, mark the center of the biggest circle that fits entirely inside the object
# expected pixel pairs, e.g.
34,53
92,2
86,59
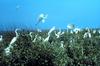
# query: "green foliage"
77,51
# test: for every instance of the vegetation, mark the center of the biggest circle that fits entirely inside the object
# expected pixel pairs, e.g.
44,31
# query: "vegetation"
76,50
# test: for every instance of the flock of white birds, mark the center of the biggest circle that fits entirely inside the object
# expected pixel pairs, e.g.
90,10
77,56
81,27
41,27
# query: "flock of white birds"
42,18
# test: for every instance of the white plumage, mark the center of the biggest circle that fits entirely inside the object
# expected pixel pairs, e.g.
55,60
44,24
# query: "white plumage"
59,34
62,44
76,30
46,39
7,50
42,17
87,35
30,34
35,38
15,38
94,31
51,30
1,38
70,26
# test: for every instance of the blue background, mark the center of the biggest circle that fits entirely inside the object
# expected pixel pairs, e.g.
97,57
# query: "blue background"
24,13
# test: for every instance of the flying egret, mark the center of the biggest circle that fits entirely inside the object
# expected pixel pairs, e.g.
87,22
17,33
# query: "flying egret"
42,17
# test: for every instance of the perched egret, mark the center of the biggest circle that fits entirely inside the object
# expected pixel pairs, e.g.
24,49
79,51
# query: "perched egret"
39,30
1,38
59,34
70,26
47,38
62,44
99,31
76,30
42,17
7,50
51,30
31,35
94,31
15,38
35,38
87,35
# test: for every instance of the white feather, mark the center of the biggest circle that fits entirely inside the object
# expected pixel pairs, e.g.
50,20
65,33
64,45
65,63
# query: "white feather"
46,39
52,29
1,38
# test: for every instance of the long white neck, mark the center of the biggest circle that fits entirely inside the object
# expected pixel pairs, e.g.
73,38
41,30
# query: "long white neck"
51,30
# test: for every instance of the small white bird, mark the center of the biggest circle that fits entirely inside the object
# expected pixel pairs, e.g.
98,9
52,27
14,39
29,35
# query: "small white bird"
51,30
1,38
42,17
35,38
94,31
7,50
70,26
99,31
87,35
39,30
62,44
30,34
47,38
15,38
59,34
76,30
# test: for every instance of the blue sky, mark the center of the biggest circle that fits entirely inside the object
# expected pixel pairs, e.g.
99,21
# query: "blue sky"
23,13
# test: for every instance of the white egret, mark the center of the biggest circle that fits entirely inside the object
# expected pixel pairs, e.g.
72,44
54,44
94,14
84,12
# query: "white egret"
15,38
7,50
99,31
39,30
51,30
59,34
76,30
47,38
30,34
94,31
62,44
42,17
70,26
35,38
87,35
1,38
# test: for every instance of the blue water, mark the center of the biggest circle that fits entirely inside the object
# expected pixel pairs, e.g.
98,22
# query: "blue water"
23,13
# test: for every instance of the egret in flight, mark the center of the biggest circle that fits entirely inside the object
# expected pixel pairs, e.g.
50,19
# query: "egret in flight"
41,18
